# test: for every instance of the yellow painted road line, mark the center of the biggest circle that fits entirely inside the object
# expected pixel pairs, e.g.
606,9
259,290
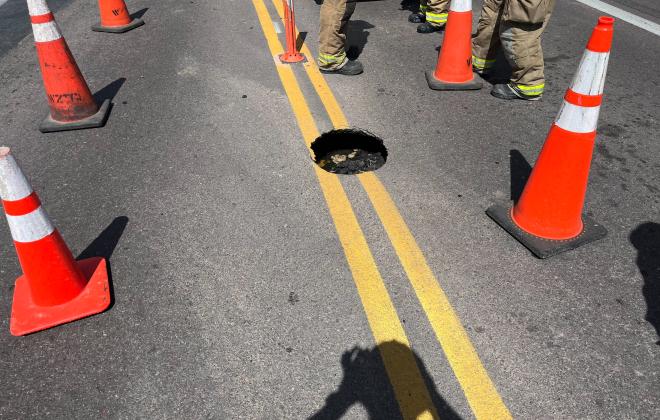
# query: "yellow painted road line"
409,387
480,392
322,89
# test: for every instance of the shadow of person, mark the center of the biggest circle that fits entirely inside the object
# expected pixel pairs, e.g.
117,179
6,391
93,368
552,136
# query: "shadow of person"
646,239
366,381
357,37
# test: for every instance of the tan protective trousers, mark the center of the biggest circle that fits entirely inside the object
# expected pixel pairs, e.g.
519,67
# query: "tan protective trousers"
332,33
502,25
435,11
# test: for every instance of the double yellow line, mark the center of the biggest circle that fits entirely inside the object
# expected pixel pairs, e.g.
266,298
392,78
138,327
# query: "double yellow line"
412,395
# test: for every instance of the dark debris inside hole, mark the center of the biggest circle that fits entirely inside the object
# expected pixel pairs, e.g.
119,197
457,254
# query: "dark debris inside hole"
349,151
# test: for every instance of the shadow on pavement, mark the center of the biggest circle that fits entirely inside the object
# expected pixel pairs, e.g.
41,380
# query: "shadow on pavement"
520,170
646,239
366,382
110,91
139,13
357,37
410,5
300,40
104,245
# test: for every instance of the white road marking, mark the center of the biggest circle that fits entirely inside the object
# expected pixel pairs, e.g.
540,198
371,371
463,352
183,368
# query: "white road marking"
647,25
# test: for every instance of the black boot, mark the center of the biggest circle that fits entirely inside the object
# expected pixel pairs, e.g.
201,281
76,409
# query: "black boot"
351,68
509,91
417,17
427,28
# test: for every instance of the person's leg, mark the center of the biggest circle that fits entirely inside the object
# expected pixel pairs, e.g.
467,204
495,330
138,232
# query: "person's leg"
486,41
521,43
436,16
332,40
420,15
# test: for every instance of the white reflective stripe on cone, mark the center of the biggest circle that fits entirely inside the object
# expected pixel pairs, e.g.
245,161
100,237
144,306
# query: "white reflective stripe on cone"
460,5
45,32
590,77
37,7
13,184
30,227
578,119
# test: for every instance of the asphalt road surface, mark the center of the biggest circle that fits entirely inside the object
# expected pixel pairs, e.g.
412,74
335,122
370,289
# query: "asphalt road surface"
247,283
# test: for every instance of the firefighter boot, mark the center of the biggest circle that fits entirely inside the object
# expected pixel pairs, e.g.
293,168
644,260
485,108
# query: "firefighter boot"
428,28
417,17
510,91
351,68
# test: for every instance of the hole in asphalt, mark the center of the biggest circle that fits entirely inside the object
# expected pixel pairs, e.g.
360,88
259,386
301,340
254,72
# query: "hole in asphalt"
349,151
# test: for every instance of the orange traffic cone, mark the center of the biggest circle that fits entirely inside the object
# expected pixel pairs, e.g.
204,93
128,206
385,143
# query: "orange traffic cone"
72,105
54,288
115,18
454,68
291,55
548,217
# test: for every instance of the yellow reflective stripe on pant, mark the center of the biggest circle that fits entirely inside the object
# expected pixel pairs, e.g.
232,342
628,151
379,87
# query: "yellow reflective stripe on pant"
482,63
327,59
531,90
423,8
436,18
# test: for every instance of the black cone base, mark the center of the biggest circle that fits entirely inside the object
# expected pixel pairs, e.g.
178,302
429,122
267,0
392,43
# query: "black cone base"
436,84
545,248
118,29
50,125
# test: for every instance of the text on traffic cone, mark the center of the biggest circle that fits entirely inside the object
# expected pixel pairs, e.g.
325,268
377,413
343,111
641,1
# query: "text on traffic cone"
69,98
115,17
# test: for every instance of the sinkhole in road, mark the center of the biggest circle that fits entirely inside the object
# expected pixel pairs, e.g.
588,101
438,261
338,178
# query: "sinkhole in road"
349,151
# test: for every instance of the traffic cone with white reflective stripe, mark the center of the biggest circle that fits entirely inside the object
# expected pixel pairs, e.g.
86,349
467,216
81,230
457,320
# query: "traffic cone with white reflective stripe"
54,288
454,68
72,105
548,217
115,18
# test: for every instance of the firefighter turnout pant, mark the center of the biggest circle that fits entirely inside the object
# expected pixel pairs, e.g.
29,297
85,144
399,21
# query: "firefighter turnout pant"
332,33
434,11
515,26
